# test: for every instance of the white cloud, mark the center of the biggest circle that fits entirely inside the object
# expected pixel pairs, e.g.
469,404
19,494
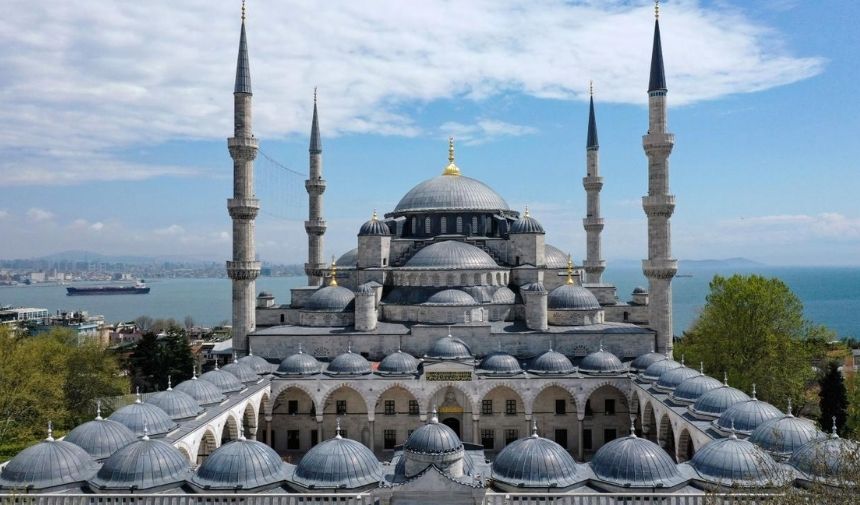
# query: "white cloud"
484,130
93,78
172,230
38,215
4,214
788,228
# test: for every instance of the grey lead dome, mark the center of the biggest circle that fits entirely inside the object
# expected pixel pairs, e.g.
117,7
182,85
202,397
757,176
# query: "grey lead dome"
331,299
48,464
535,462
398,363
716,401
731,462
225,381
781,436
100,437
203,391
673,378
433,438
527,224
658,368
744,417
299,364
693,388
634,462
571,296
143,465
176,404
241,464
453,297
643,361
338,463
449,348
551,363
601,363
349,363
451,254
139,415
374,227
446,192
499,363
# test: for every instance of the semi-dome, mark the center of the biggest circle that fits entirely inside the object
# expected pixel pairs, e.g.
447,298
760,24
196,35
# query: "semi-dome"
348,259
551,363
176,404
100,437
242,372
643,361
204,392
299,364
731,462
225,381
450,192
535,462
745,417
554,257
451,254
348,363
831,460
433,438
658,368
48,464
139,415
499,363
673,378
144,464
526,224
338,463
398,363
241,464
504,295
571,296
331,299
258,364
453,297
449,348
716,401
781,436
374,227
601,363
634,462
693,388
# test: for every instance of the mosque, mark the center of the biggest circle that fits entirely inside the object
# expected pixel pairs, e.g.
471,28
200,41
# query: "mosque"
454,355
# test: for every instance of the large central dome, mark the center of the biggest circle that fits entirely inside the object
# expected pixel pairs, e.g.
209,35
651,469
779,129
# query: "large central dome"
451,192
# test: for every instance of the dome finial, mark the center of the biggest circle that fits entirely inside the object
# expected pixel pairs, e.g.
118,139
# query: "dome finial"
51,430
235,357
656,9
725,378
701,368
241,431
137,393
833,433
753,392
194,372
300,348
534,429
632,426
601,346
434,415
374,217
550,346
337,429
789,413
569,269
449,331
98,410
734,435
333,272
451,168
145,431
683,358
526,213
216,363
169,384
243,11
349,346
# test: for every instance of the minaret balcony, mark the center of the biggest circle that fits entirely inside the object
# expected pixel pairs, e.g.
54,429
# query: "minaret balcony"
659,205
660,268
594,265
315,187
243,208
242,148
657,142
592,183
243,270
315,226
593,223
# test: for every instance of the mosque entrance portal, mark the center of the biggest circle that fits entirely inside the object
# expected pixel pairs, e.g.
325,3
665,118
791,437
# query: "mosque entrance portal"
454,424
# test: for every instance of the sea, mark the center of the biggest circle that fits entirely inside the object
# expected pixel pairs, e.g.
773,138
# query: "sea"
830,295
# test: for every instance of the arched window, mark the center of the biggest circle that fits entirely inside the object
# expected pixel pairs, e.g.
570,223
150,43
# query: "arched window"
460,224
414,229
474,225
427,226
444,225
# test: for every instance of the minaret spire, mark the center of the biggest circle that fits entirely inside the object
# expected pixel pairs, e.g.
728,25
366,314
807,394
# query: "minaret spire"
243,270
594,264
659,205
315,226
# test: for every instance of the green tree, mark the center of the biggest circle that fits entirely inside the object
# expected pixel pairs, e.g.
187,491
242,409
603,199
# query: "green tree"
753,328
833,398
154,359
178,361
144,362
88,376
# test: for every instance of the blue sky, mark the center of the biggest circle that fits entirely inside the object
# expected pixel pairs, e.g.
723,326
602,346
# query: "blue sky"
117,116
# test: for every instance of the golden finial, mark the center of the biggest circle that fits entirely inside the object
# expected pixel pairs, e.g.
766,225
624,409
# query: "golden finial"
333,273
374,217
451,169
243,11
526,213
591,88
656,9
569,269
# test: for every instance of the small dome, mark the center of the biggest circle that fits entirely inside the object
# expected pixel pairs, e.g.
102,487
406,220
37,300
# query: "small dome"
433,438
299,364
225,381
830,459
240,464
137,415
449,348
639,290
176,404
601,363
643,361
100,437
348,259
242,372
571,296
256,363
731,462
781,436
366,289
141,465
204,392
447,192
331,299
534,287
535,462
500,363
658,368
551,363
451,297
554,257
526,224
671,379
634,462
451,255
716,401
504,295
265,294
374,227
348,363
745,417
338,463
48,464
691,389
398,363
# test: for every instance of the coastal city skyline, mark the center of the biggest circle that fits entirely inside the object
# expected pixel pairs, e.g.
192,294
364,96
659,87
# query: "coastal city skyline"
103,161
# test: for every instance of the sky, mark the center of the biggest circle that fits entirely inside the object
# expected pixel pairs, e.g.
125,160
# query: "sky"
116,117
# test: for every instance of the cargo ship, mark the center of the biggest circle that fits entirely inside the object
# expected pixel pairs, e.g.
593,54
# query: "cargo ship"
138,289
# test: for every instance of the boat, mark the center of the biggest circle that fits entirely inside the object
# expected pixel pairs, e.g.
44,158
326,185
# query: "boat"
138,289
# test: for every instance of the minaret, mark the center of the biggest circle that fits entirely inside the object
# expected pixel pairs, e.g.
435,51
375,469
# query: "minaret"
315,186
243,207
592,182
659,205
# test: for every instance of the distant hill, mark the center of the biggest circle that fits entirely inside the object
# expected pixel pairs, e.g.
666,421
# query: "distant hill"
127,259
